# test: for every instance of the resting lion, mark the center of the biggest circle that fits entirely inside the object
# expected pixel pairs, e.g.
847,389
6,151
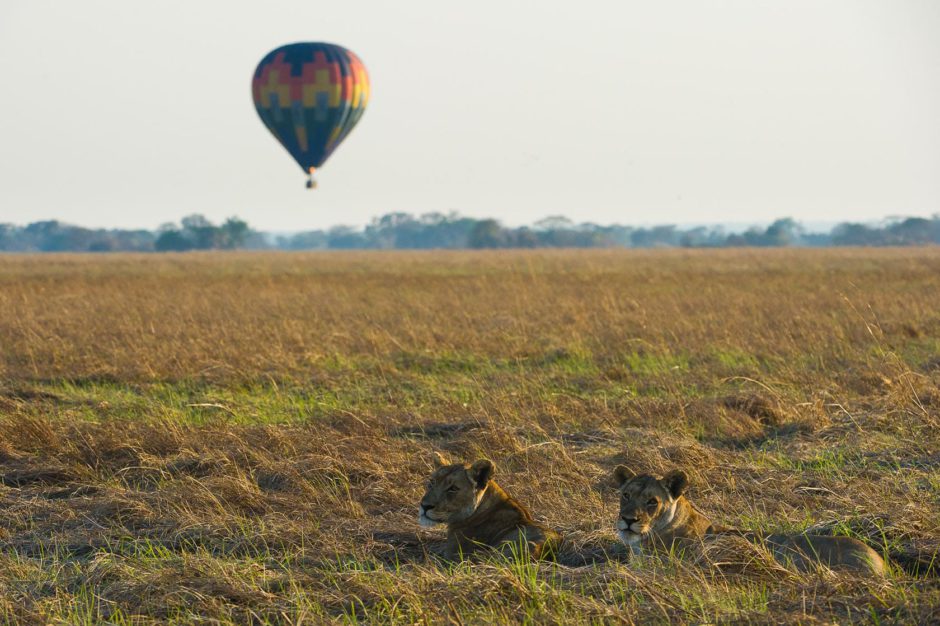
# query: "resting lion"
654,512
479,514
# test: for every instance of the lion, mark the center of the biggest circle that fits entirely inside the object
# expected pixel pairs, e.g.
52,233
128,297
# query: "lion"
654,512
479,514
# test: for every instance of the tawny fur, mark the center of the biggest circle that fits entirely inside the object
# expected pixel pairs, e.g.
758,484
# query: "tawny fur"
655,514
479,514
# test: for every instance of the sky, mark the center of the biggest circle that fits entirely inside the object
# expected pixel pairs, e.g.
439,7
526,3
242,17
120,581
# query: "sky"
131,114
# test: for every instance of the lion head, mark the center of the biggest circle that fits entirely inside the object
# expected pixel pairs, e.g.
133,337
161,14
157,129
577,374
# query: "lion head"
647,503
454,491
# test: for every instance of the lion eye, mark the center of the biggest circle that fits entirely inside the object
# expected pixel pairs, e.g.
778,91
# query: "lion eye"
652,503
452,489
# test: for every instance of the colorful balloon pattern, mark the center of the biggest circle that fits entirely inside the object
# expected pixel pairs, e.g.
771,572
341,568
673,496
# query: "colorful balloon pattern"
310,96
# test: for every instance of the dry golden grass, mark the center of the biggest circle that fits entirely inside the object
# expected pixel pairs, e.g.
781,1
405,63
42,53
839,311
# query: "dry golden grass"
244,438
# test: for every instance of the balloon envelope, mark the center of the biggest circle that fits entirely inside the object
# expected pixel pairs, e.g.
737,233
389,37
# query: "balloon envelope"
310,96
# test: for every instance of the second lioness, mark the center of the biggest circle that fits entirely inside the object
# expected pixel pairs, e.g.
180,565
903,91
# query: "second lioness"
654,512
479,514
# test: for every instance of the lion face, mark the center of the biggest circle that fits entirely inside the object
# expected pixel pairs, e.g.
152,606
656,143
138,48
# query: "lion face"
454,492
647,503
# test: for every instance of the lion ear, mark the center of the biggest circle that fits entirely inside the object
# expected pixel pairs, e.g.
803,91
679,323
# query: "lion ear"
438,460
481,472
622,474
675,482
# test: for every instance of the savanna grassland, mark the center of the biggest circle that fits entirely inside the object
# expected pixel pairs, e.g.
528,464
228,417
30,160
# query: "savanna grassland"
244,438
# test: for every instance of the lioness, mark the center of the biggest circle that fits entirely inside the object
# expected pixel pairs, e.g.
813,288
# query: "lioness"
479,514
655,511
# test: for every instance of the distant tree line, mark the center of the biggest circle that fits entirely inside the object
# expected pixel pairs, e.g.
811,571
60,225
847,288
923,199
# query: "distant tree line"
193,233
451,231
197,233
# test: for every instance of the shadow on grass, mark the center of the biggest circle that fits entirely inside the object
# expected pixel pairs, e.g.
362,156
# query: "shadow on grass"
398,548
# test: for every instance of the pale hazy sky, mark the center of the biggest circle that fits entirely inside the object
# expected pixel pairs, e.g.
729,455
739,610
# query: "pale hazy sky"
130,113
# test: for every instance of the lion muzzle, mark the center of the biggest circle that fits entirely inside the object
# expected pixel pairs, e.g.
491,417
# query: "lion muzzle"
424,519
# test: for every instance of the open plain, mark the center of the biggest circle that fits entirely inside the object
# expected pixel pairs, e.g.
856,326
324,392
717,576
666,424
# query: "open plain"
244,438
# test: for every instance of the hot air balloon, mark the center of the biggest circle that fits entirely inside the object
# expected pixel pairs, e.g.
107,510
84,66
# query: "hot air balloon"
310,96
